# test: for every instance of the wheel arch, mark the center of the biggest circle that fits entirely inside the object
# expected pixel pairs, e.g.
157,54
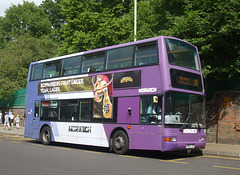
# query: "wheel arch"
43,127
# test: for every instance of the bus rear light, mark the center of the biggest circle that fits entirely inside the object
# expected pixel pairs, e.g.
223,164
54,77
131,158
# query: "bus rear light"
170,139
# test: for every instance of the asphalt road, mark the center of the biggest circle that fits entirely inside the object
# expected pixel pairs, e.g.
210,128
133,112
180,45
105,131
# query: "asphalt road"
23,156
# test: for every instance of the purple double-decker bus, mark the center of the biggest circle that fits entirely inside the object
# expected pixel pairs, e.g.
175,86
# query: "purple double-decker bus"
146,95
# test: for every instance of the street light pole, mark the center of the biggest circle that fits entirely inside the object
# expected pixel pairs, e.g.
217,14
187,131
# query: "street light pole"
135,20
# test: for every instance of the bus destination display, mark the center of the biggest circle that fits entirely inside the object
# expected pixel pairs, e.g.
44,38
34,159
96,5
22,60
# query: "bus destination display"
186,80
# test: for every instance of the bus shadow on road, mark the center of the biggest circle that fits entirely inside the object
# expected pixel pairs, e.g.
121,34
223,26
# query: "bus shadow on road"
166,155
73,146
137,153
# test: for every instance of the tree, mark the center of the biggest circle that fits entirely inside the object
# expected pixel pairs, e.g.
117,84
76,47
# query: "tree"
99,23
54,13
16,58
25,36
92,24
213,26
25,18
156,17
2,40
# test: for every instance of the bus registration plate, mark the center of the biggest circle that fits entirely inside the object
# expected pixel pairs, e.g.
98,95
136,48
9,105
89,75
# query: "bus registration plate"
190,131
190,146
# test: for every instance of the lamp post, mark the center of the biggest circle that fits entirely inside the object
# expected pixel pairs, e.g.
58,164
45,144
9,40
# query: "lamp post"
135,20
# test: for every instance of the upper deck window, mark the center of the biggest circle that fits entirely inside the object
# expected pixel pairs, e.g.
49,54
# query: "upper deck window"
36,73
146,54
119,58
71,66
182,54
52,69
93,62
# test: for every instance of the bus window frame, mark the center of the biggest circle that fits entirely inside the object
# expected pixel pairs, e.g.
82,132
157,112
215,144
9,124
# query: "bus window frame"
50,118
133,61
118,68
91,119
80,110
145,114
52,63
80,57
93,57
62,106
37,109
32,68
197,60
142,45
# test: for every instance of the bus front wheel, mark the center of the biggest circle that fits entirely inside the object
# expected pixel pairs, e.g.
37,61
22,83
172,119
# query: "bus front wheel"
46,135
120,142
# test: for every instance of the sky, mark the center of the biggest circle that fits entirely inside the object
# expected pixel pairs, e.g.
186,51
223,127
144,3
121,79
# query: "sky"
5,4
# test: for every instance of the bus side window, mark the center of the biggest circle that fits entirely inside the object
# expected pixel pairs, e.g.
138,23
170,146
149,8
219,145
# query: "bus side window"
151,109
85,110
52,69
49,110
93,62
36,111
119,58
36,72
71,66
146,54
68,110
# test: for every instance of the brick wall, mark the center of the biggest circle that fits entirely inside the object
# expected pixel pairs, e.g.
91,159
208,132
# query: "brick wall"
223,117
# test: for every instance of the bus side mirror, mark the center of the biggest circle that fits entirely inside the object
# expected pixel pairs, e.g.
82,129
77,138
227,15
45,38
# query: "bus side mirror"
129,111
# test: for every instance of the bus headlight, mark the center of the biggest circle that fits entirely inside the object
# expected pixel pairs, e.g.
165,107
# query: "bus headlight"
174,139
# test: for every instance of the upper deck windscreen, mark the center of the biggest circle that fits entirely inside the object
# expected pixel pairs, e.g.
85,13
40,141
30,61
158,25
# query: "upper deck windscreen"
182,54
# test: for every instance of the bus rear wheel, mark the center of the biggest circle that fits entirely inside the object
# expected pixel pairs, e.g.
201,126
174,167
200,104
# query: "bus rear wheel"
46,135
120,142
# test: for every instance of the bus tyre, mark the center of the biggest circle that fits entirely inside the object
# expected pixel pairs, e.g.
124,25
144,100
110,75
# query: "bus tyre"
120,142
46,135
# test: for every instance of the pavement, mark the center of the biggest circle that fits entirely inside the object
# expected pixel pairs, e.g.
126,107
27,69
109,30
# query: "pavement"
213,149
12,131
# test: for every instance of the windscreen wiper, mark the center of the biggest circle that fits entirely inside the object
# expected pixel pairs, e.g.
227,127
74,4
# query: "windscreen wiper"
186,122
199,127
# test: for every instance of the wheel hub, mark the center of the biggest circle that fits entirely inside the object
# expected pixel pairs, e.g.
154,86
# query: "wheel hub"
119,142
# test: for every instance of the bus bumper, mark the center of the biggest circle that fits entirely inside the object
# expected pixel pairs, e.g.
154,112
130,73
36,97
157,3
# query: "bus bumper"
175,146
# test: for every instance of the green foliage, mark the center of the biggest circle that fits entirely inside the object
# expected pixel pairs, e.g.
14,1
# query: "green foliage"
25,18
26,36
54,14
16,58
93,24
29,32
213,26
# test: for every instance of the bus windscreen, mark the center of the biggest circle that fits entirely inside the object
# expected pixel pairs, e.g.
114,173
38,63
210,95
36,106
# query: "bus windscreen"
182,54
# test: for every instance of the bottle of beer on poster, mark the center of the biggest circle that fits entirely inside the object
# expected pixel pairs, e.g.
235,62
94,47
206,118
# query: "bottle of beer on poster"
107,105
99,93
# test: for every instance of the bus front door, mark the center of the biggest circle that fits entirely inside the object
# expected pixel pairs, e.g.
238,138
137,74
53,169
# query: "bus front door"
35,120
